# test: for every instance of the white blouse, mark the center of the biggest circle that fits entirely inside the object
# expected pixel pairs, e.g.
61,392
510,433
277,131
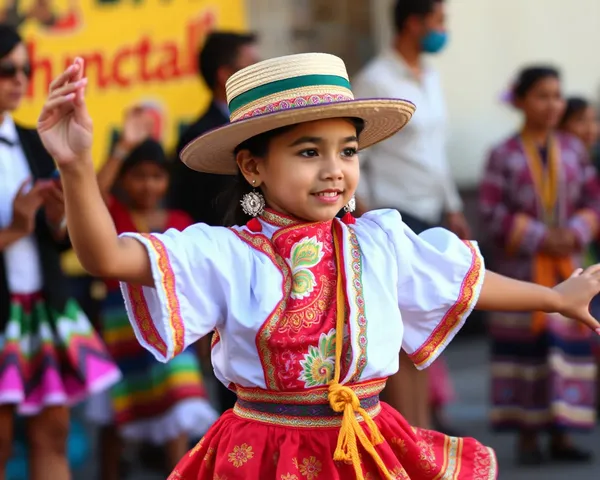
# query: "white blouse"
21,258
267,294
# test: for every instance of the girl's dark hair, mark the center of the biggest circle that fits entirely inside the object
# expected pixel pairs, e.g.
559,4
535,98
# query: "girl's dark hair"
530,76
258,146
147,151
575,106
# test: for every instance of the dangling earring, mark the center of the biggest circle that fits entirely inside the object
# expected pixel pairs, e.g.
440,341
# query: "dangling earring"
253,203
351,205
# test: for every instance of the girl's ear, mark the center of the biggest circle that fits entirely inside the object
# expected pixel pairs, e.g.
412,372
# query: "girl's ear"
249,167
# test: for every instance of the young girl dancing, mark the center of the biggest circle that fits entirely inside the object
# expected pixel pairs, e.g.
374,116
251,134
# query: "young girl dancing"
310,311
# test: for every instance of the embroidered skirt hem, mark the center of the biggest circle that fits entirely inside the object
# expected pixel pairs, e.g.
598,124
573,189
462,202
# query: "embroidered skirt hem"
237,448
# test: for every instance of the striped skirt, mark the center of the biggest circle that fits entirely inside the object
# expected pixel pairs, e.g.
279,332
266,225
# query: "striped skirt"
154,401
50,358
545,381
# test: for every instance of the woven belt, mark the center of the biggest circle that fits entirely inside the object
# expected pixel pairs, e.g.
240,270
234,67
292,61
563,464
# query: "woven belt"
307,408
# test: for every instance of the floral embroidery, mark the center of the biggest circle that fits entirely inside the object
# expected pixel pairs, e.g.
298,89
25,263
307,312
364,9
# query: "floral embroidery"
208,458
426,456
400,445
295,462
296,319
398,473
289,476
310,468
263,244
241,454
305,254
319,362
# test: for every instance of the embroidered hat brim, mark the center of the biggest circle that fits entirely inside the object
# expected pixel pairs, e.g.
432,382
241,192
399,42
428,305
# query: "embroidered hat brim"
287,91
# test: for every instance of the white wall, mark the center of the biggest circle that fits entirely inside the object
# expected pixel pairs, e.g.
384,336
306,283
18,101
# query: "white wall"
490,41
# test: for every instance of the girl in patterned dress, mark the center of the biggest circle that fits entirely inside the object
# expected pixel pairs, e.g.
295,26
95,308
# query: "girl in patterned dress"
159,403
540,201
310,311
50,356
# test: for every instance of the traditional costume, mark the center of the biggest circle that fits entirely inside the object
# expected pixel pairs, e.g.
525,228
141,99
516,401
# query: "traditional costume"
49,352
310,317
154,401
543,370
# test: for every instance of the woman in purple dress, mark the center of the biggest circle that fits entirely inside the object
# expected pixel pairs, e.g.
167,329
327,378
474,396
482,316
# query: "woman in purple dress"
540,201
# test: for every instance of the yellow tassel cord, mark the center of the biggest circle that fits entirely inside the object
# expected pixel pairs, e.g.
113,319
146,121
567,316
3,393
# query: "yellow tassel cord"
343,399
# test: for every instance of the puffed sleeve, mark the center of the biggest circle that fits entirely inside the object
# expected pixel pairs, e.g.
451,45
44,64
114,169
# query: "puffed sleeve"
439,280
195,272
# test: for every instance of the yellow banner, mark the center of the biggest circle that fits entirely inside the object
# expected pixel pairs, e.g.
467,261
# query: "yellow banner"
136,52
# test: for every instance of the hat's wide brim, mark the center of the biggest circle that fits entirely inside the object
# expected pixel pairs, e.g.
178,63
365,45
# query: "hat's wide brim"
213,151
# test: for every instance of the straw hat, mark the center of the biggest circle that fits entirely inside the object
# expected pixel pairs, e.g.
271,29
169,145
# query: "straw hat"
288,90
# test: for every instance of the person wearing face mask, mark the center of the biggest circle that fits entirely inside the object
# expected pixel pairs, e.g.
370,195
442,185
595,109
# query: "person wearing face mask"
410,171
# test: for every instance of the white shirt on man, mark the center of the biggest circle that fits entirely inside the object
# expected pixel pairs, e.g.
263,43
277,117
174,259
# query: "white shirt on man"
408,171
21,258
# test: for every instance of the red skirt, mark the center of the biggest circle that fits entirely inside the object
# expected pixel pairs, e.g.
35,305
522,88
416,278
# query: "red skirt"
293,435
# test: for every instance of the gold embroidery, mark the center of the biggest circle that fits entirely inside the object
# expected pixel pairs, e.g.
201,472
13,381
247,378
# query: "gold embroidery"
209,457
400,445
454,315
241,454
262,243
398,473
310,468
216,338
168,286
219,477
317,395
307,422
360,360
289,476
143,319
304,317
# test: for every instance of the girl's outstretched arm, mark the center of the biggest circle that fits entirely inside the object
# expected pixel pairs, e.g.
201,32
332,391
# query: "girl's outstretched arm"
65,128
571,298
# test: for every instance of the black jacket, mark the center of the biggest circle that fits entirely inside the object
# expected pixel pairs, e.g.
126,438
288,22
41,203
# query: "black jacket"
201,195
54,284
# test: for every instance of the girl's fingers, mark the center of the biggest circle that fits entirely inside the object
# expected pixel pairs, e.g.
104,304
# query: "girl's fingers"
64,77
590,321
79,72
54,103
68,88
593,270
576,273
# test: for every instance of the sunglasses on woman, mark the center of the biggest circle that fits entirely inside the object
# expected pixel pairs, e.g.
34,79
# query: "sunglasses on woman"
11,70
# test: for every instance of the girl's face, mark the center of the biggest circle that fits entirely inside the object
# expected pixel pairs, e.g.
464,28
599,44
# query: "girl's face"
310,171
543,104
584,125
14,78
145,185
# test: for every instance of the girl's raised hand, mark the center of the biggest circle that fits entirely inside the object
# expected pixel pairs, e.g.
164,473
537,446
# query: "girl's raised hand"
64,125
576,294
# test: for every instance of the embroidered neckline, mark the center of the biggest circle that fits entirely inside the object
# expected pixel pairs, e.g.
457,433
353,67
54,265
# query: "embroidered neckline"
279,219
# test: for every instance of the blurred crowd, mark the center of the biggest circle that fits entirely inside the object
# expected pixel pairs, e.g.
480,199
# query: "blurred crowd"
539,204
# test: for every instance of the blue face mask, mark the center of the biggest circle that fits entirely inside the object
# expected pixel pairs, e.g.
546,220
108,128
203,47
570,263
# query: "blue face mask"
434,41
